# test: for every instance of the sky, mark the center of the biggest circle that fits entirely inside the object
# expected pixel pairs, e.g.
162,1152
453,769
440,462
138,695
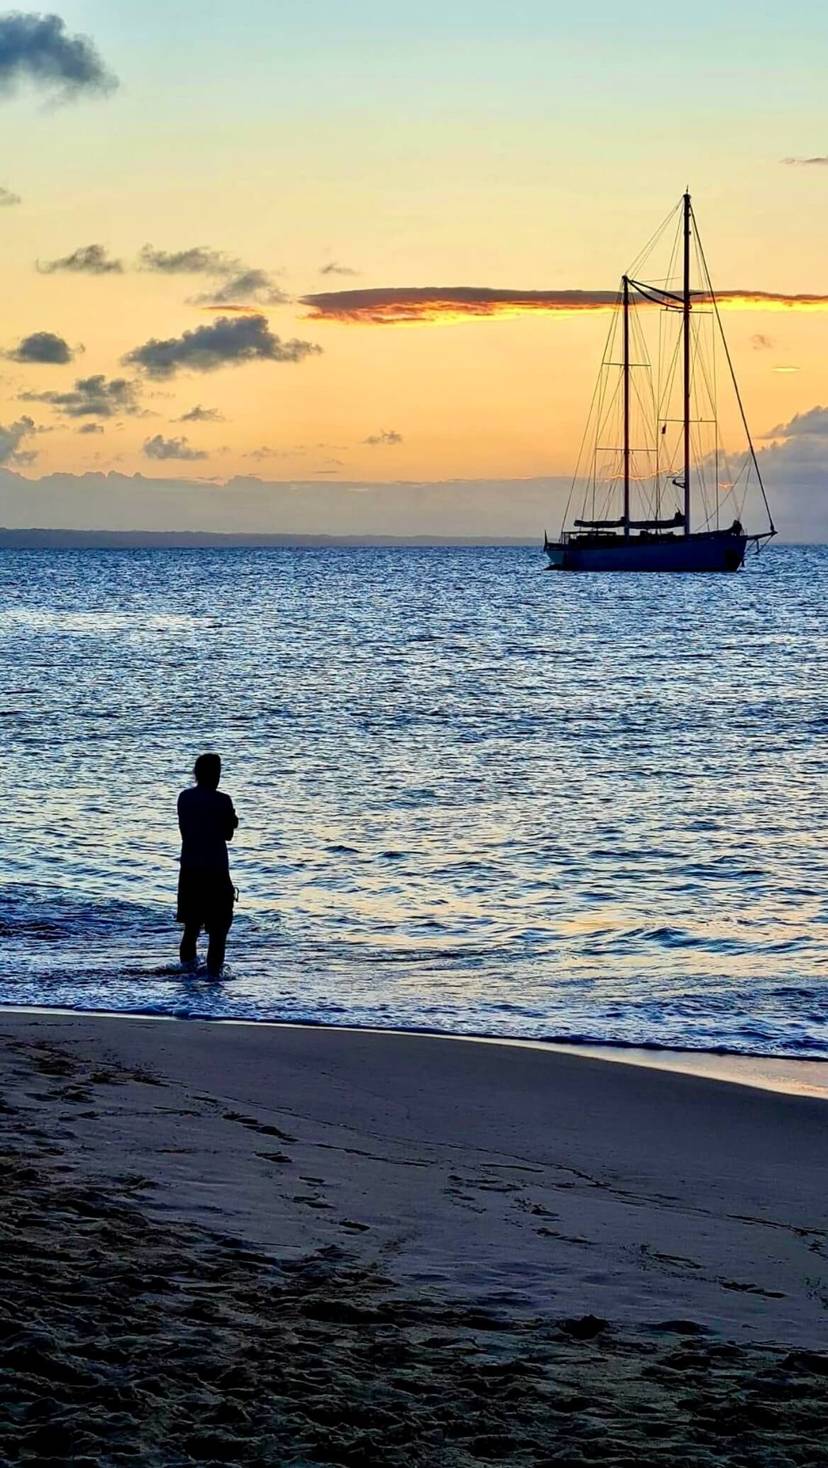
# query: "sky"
284,260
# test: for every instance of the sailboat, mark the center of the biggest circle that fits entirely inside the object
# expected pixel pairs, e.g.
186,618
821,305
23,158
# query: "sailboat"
654,435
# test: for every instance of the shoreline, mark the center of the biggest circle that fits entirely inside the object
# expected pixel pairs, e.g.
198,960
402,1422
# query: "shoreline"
779,1074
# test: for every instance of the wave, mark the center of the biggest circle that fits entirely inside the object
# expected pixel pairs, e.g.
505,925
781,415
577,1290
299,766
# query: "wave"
206,1012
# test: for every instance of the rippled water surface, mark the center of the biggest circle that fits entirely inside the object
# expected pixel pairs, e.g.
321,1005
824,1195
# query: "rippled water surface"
474,797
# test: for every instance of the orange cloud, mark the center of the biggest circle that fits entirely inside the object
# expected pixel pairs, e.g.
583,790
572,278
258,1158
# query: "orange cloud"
239,310
771,301
401,305
408,305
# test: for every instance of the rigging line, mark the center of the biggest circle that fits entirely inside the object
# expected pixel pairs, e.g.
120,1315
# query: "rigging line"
715,301
641,347
642,350
595,393
601,421
699,362
700,359
641,403
657,395
668,299
702,462
711,397
701,482
652,241
714,356
598,421
654,385
706,379
596,397
609,399
668,382
672,267
644,398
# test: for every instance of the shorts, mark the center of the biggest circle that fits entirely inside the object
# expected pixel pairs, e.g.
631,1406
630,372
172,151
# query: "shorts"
205,900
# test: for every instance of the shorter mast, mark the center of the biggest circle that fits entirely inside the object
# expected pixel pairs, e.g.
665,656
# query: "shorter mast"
626,366
687,380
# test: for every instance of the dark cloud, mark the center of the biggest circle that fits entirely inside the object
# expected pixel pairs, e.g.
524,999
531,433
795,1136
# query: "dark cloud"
86,260
197,260
92,397
762,343
387,436
228,341
201,415
334,268
812,423
247,287
796,477
38,49
89,428
819,161
11,437
7,198
42,346
264,451
240,283
159,447
400,305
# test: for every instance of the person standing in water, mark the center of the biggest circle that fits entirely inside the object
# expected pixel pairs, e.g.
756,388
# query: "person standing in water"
207,820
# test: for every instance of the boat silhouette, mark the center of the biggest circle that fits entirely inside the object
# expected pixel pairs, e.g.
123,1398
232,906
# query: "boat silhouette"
654,431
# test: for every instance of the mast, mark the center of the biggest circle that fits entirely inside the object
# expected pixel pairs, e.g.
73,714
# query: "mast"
686,344
626,364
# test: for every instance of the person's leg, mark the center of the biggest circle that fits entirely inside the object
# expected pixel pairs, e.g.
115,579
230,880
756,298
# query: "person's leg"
215,952
189,940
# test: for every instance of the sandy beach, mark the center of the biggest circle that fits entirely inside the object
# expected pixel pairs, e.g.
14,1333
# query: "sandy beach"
254,1244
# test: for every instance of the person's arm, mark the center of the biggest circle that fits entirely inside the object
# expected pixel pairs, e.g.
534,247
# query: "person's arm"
231,820
180,823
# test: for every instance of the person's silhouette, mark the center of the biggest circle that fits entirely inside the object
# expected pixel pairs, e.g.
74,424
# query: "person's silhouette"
207,820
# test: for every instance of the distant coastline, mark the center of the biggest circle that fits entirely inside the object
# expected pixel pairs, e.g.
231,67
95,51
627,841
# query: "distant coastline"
209,540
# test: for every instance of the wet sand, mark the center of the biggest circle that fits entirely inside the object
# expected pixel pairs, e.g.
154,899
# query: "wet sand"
248,1244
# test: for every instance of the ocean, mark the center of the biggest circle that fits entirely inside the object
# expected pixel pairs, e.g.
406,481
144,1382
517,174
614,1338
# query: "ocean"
474,797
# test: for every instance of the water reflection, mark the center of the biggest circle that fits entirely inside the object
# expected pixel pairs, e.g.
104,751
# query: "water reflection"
473,795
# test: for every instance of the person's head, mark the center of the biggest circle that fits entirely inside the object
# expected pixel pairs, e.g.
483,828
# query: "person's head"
207,770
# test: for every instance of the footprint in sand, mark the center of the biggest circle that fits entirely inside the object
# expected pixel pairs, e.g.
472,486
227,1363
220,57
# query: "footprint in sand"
679,1261
555,1233
265,1128
454,1191
751,1289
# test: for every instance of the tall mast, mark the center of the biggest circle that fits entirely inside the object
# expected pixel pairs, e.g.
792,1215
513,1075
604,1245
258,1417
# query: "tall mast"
626,364
687,382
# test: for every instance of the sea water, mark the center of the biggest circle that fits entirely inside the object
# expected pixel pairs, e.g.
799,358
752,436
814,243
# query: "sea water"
474,797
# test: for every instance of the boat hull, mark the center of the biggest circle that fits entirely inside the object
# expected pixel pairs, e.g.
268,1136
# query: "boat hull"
711,551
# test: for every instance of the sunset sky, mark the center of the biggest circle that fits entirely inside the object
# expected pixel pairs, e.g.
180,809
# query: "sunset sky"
459,171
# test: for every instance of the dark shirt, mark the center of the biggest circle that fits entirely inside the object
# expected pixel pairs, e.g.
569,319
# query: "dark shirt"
207,820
